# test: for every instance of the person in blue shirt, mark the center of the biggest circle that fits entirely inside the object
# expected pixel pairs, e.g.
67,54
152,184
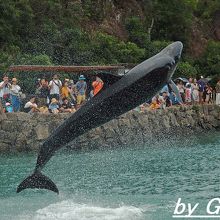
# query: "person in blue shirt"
81,88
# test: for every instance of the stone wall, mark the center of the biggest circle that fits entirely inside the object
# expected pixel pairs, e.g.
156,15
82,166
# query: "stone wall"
25,132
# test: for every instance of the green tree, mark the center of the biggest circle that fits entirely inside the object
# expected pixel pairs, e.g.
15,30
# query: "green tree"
173,19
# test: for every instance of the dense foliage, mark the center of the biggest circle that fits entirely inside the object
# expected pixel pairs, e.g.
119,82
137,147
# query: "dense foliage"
61,32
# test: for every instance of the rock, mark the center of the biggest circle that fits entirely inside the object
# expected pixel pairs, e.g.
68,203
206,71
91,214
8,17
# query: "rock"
12,116
24,117
42,131
4,147
26,132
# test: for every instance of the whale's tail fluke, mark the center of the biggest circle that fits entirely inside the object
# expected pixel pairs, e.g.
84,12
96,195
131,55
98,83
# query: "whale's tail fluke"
38,180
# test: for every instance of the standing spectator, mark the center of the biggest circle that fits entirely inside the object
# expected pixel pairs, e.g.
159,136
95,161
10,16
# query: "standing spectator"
43,92
195,92
208,94
97,86
15,92
217,89
81,88
73,94
188,94
65,90
201,85
4,90
55,85
181,88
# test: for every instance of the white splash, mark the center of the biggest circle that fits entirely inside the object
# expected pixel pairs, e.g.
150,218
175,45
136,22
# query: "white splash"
69,210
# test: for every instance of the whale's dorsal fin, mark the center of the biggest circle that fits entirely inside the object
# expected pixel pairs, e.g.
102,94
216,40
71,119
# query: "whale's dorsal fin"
108,78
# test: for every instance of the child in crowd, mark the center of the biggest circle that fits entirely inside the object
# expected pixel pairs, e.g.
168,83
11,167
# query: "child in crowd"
154,104
67,107
188,94
54,107
43,109
8,107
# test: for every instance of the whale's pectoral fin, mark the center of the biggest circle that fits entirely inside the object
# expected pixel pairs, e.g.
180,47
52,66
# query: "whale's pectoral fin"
176,91
38,180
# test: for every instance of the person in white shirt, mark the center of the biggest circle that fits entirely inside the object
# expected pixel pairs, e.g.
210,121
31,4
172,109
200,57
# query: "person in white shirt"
55,85
31,106
4,90
15,92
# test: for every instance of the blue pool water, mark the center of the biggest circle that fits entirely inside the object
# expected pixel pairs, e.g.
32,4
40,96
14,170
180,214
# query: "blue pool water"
121,184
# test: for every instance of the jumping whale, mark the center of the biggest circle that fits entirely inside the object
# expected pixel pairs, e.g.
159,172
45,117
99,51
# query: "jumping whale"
140,84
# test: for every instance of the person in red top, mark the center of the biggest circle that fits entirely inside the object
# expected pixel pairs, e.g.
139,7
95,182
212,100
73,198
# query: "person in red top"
97,85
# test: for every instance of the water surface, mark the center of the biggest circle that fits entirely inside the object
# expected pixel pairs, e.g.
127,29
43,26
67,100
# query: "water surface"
121,184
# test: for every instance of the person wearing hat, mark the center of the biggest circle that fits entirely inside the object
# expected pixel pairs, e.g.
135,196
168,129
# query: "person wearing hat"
15,92
54,107
81,88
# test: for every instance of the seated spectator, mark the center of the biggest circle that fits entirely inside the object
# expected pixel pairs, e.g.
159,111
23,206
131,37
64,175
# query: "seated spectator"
54,107
167,99
67,107
43,109
154,104
174,100
161,102
8,107
31,106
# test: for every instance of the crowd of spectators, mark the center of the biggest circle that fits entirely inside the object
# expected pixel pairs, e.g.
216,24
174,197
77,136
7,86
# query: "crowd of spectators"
191,91
56,96
52,96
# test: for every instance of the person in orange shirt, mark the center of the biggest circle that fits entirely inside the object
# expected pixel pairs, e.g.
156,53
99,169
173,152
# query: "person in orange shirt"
154,105
65,91
97,85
